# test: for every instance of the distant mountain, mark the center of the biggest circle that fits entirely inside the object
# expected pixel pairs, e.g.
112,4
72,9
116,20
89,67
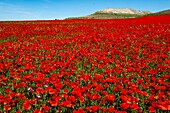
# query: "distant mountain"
113,13
164,12
123,11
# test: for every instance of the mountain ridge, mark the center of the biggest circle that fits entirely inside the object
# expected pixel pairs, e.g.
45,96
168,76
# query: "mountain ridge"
123,11
118,13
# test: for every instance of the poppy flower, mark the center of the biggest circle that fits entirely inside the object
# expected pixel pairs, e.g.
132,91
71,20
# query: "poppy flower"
27,105
111,98
151,109
38,111
45,108
80,110
7,107
124,105
95,108
111,109
81,99
134,106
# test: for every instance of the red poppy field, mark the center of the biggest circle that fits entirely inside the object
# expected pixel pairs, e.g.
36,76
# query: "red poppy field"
85,66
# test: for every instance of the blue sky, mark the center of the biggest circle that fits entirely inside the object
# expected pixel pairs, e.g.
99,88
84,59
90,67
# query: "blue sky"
59,9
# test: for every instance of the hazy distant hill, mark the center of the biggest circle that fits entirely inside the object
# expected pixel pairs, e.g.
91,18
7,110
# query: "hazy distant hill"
112,13
164,12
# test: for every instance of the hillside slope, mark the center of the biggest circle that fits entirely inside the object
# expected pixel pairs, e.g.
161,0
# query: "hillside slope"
113,13
164,12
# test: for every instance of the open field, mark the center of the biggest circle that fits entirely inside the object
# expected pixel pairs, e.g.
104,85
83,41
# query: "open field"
83,66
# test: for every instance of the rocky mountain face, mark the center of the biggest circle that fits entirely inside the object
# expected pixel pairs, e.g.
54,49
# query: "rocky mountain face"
123,11
113,13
